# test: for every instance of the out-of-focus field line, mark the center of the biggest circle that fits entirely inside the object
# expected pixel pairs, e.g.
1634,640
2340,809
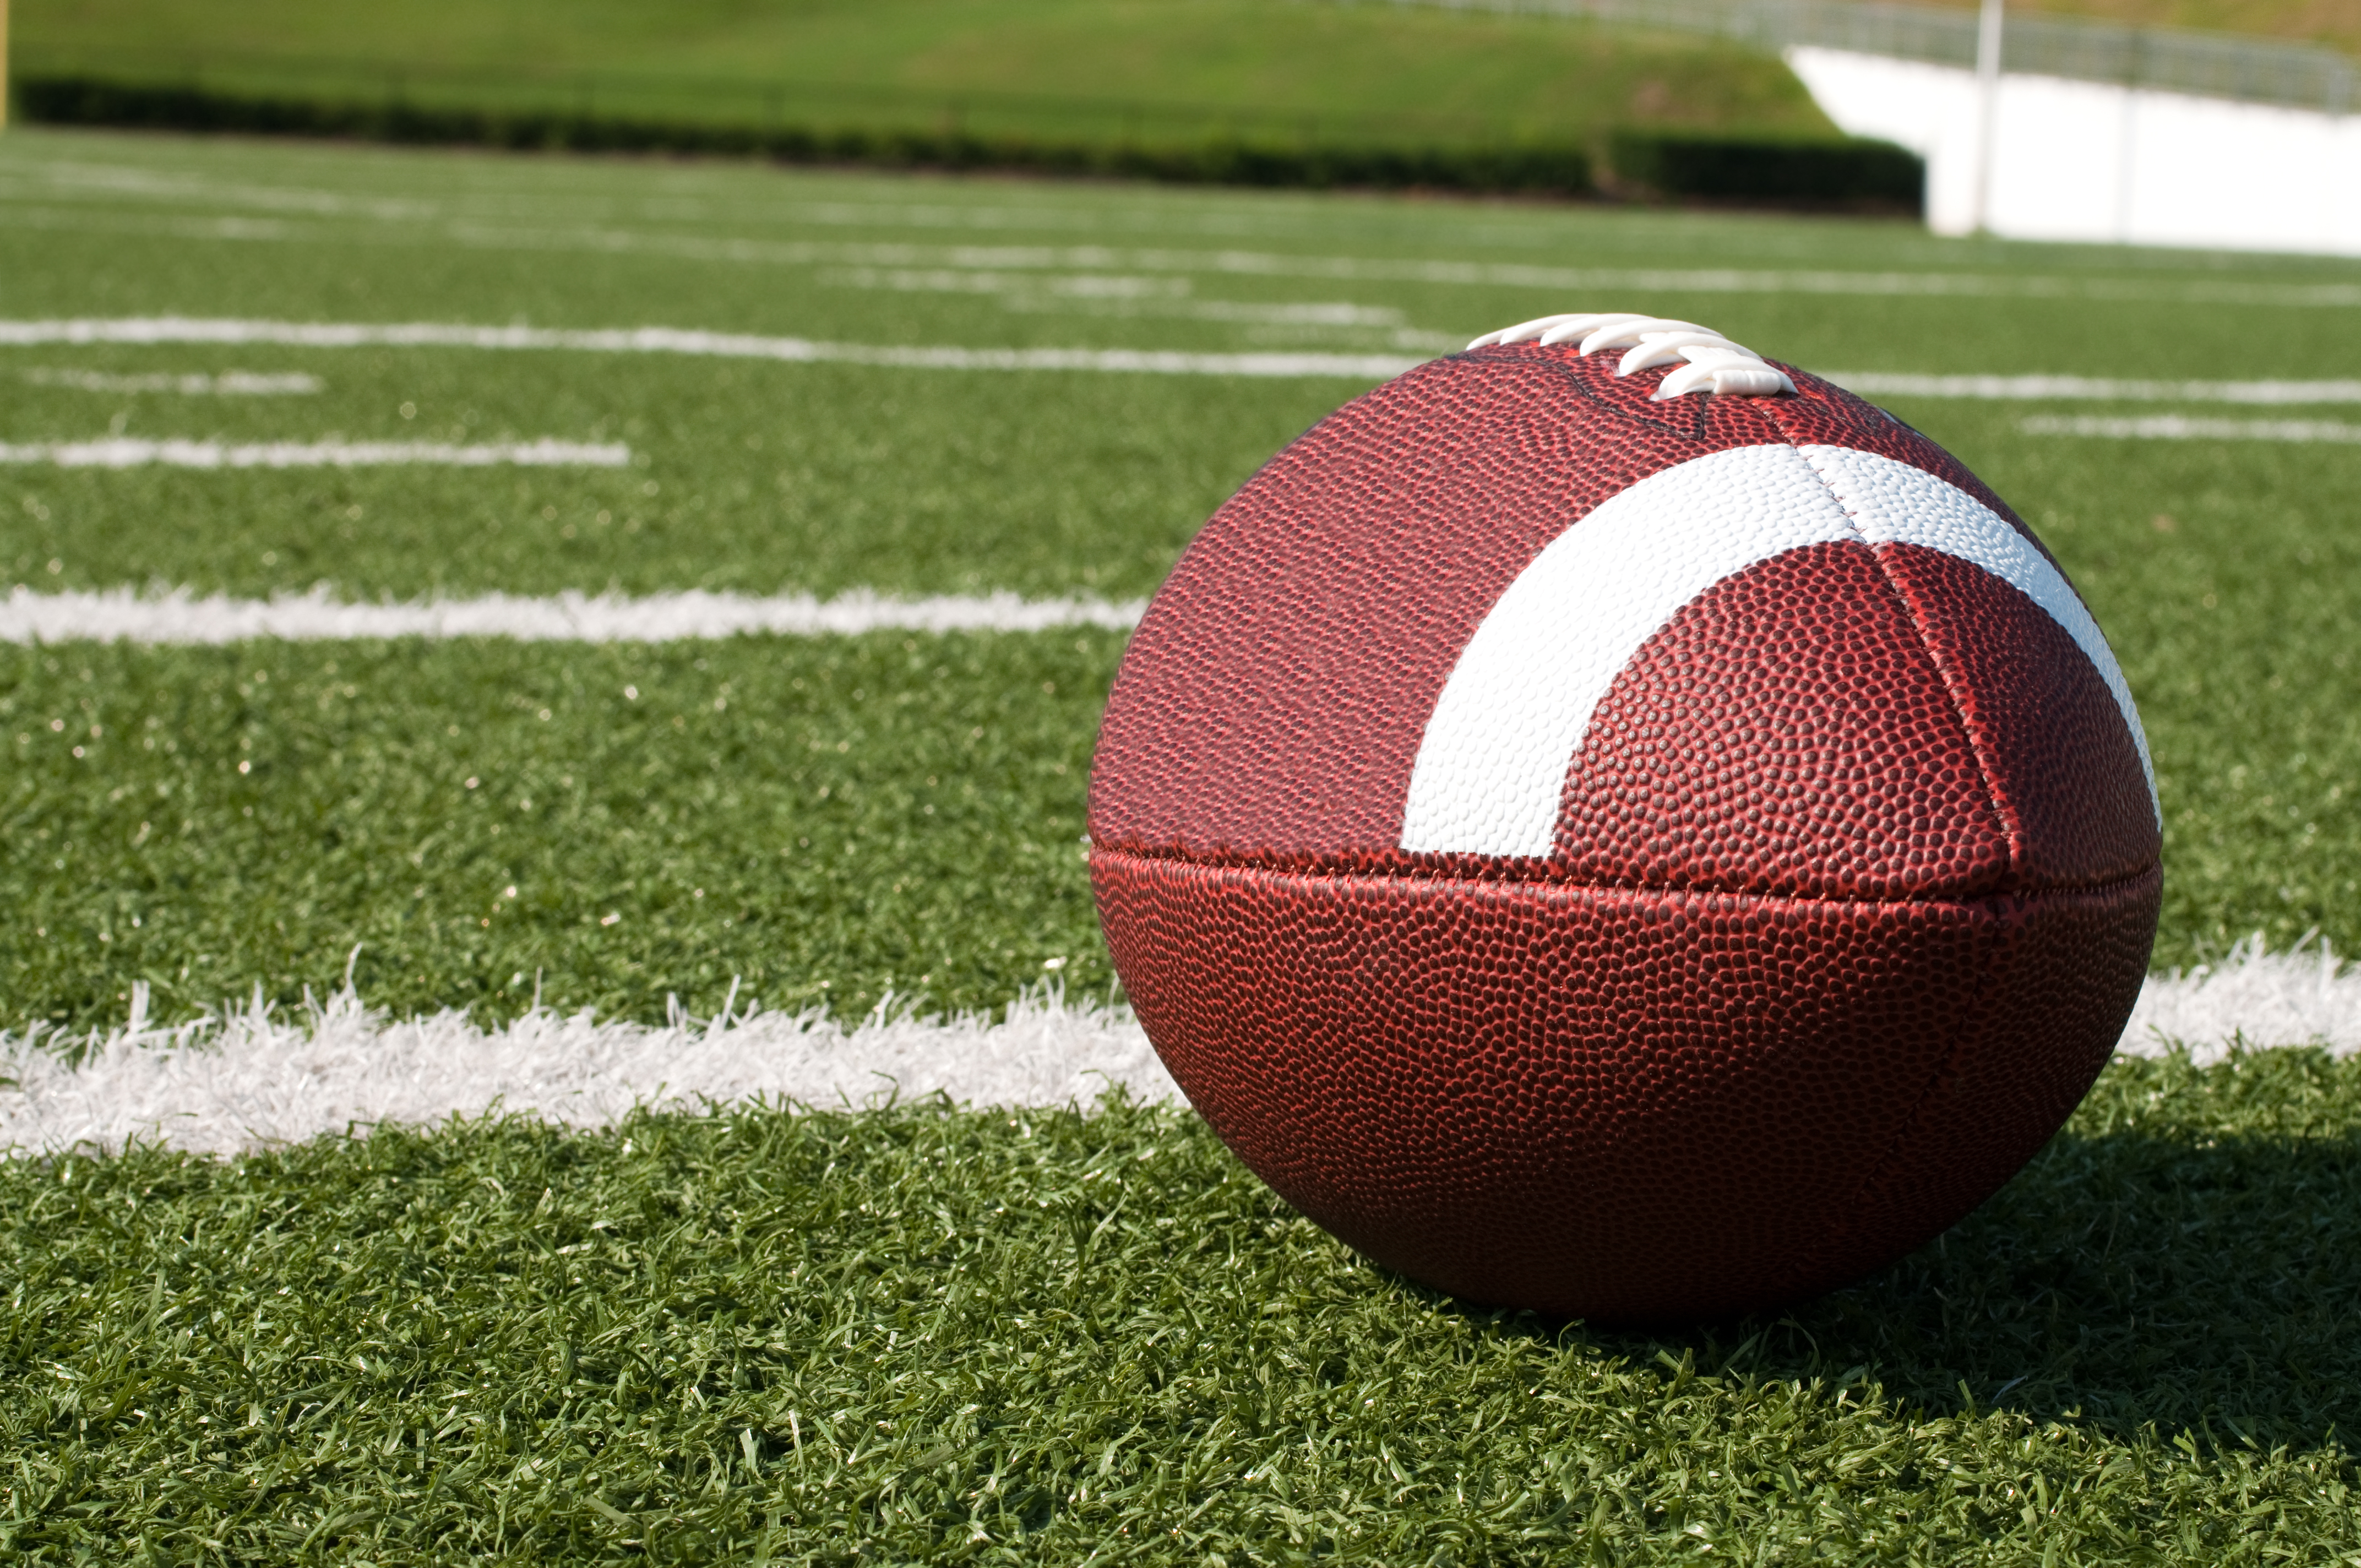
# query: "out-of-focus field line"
124,452
122,615
711,344
2097,389
2180,427
1840,282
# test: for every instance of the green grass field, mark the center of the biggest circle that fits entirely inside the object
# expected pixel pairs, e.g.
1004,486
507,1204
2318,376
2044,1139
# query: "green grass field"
933,1336
1158,69
929,1334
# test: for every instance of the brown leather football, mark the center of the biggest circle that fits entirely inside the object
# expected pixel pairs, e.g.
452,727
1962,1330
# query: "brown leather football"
1608,824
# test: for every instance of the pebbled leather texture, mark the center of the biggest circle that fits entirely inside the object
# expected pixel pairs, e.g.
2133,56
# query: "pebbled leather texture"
1850,886
1626,1105
1787,733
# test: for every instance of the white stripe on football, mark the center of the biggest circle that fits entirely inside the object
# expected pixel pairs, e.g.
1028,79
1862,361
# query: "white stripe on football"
1492,769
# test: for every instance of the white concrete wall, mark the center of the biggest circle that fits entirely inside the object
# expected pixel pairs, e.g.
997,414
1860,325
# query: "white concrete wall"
2082,160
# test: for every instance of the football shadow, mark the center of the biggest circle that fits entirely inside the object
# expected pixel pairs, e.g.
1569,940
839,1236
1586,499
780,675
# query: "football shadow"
2120,1281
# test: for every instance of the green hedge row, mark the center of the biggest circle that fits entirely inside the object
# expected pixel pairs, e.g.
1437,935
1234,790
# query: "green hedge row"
1669,164
1860,173
83,101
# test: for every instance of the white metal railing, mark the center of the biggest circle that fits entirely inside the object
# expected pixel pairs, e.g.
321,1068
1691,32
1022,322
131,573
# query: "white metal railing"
2258,70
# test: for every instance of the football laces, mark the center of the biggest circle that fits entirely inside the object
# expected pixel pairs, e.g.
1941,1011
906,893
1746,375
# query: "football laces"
1708,361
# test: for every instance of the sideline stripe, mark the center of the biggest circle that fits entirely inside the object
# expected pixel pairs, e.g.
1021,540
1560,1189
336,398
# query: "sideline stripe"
120,452
2178,427
121,615
2037,388
673,340
250,1078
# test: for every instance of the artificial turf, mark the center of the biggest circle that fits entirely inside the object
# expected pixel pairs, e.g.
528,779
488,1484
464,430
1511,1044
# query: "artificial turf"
823,478
820,820
930,1333
808,820
943,1335
755,479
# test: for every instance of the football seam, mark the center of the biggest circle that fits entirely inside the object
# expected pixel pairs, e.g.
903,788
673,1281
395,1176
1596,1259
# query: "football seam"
2001,813
1884,1169
1417,875
1964,481
1394,863
1282,945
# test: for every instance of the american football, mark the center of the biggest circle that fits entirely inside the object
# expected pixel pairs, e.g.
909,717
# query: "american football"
1611,825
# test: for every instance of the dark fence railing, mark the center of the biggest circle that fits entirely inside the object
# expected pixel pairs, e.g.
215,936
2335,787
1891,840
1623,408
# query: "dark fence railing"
2258,70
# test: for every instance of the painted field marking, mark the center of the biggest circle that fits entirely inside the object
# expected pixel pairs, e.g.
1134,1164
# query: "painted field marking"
425,221
251,1076
149,330
227,384
1103,295
120,615
238,332
1578,280
123,451
2180,427
248,1076
2039,389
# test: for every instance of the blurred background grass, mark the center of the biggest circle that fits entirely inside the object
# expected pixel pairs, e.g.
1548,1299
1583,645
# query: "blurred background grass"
1146,68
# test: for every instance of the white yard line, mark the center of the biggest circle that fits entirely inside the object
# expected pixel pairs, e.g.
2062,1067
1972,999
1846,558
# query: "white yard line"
432,223
253,1077
257,212
121,615
124,452
2039,389
1580,283
231,332
149,330
2304,996
228,384
2180,427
